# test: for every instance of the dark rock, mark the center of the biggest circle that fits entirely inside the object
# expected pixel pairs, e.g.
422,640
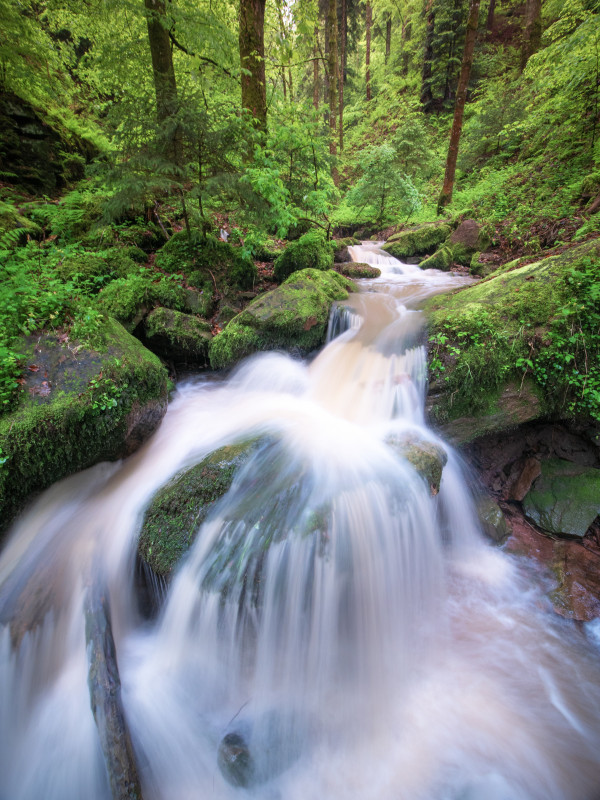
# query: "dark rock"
177,337
565,498
493,522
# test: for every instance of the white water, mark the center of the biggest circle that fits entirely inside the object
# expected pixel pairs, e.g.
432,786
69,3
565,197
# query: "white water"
380,649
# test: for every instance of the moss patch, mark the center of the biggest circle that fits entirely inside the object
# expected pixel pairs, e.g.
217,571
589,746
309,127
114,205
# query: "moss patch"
292,317
179,509
356,270
181,338
206,255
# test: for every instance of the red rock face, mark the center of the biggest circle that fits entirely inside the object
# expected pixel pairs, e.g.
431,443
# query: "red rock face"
571,567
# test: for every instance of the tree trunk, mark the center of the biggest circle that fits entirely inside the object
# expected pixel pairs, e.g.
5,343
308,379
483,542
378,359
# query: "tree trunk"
252,59
333,90
368,53
490,15
388,36
341,74
165,85
105,697
459,107
406,36
426,94
316,86
532,35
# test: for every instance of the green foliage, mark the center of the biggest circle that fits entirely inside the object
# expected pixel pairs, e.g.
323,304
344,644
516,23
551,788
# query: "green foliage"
383,190
199,253
126,299
311,251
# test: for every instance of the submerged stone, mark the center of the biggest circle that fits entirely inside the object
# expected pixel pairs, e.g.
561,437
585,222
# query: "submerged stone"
357,270
565,499
493,522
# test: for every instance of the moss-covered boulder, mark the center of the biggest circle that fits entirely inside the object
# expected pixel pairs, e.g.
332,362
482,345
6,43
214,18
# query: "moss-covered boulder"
94,270
178,510
468,239
357,270
80,405
130,299
213,259
311,251
292,317
428,458
493,522
181,338
442,259
517,346
565,498
420,240
340,248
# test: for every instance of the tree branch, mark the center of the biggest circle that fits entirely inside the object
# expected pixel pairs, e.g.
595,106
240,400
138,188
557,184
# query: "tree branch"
205,59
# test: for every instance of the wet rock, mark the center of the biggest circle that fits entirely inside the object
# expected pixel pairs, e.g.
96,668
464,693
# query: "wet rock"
178,509
442,259
530,470
340,248
357,270
292,317
428,458
565,498
493,522
177,337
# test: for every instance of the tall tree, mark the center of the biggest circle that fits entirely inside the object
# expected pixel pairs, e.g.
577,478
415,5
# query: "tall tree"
252,59
388,35
490,15
426,92
316,85
333,75
165,85
459,107
532,35
341,72
369,22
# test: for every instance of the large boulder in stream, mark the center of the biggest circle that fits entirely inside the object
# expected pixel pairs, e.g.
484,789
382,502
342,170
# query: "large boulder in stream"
292,317
515,347
79,405
178,510
356,270
420,240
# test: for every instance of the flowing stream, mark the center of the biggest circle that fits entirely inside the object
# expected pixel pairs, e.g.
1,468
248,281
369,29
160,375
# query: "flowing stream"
350,632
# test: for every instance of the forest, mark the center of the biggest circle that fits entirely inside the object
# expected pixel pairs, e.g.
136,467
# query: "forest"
217,221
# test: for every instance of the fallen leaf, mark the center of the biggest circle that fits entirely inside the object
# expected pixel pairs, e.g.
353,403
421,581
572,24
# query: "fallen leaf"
33,368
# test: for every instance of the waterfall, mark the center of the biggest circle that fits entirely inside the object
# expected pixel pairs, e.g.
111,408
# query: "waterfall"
334,631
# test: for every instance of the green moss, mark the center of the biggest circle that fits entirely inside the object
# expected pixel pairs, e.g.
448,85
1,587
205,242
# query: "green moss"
521,323
442,259
178,509
292,317
85,406
178,337
419,241
340,244
205,254
311,251
427,458
130,299
15,227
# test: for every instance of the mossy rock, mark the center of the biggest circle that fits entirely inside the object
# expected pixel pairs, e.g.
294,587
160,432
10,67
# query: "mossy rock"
442,259
482,338
356,270
493,522
311,251
130,299
340,248
95,270
180,338
205,254
427,458
468,238
81,405
15,228
292,317
565,499
268,251
418,241
178,510
590,185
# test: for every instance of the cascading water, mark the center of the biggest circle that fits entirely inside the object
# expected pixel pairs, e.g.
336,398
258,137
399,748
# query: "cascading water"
345,631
